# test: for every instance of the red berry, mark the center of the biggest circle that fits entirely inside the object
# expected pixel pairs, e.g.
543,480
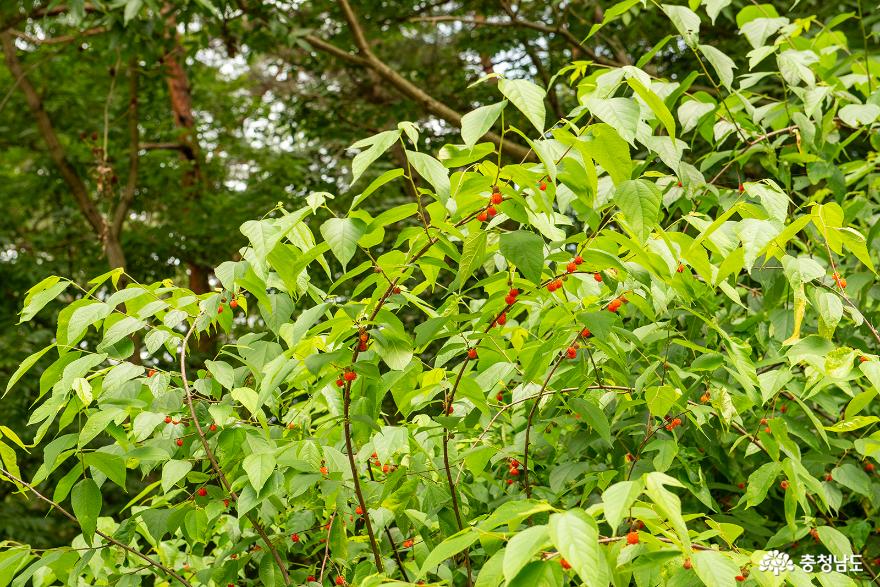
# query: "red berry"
614,306
784,484
385,468
741,485
510,481
680,268
349,375
542,186
679,185
578,260
815,534
482,216
310,579
687,564
219,309
450,409
491,211
513,292
323,470
151,372
179,442
212,427
565,564
359,510
226,503
202,491
362,346
740,578
767,430
514,463
514,471
869,467
586,333
571,267
783,408
741,188
863,359
340,383
168,419
828,477
472,353
597,277
509,300
396,289
632,538
763,421
629,457
233,304
842,283
502,319
499,397
340,580
571,352
374,456
497,198
407,543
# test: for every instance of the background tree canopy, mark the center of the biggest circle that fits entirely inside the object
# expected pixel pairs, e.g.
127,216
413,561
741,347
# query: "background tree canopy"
460,292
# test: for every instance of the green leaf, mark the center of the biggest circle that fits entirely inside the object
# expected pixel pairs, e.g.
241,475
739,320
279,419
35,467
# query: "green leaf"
522,548
447,549
111,465
760,482
528,98
773,199
686,22
639,200
714,568
617,500
576,536
525,250
852,477
389,175
657,106
25,366
259,467
222,372
722,64
378,144
477,123
492,572
172,472
661,398
40,295
395,351
85,499
342,235
851,424
473,254
858,115
83,390
609,150
835,541
433,171
85,316
620,113
668,504
714,7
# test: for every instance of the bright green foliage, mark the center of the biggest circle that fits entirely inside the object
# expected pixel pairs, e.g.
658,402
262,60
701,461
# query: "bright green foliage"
418,420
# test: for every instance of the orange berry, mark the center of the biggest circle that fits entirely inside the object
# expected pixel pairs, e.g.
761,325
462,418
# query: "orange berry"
680,268
359,510
597,277
632,538
784,484
151,372
340,580
491,211
233,303
614,306
349,375
502,319
212,427
496,198
323,470
407,543
571,352
340,383
565,564
869,467
571,267
740,578
294,537
472,353
586,333
542,186
219,309
687,564
482,216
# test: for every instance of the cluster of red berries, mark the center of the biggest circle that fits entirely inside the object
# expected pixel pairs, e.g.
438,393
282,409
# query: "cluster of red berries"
840,281
572,351
554,285
673,424
491,210
573,264
614,305
386,468
510,298
347,375
501,320
363,337
514,470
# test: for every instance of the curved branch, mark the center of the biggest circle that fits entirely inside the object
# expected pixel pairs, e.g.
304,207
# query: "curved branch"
213,459
149,560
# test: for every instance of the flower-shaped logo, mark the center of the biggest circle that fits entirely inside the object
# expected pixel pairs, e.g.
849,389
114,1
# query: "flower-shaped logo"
776,562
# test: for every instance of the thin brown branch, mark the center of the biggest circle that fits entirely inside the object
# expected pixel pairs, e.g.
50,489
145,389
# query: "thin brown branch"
146,558
213,459
59,40
532,412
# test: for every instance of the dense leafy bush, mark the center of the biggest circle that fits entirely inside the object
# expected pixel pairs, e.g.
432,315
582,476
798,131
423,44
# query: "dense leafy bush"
644,353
